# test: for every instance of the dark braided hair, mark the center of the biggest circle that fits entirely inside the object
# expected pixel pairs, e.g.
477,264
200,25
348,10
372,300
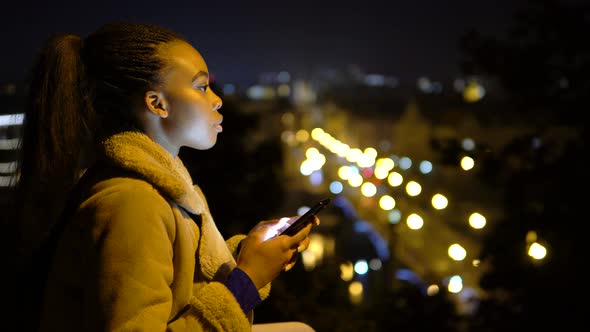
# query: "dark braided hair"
122,63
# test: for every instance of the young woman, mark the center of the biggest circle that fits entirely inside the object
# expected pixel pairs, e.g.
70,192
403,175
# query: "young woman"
130,244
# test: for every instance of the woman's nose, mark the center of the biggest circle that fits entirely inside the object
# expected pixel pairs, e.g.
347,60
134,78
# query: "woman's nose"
217,103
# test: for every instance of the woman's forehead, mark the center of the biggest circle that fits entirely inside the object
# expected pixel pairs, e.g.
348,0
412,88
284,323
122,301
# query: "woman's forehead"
182,59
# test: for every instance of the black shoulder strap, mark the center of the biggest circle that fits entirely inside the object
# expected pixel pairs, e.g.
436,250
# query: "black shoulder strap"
36,274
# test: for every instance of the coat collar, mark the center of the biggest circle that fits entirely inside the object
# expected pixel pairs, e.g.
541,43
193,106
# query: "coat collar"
138,153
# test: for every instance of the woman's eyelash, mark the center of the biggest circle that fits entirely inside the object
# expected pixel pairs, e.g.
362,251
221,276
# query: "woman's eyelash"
203,87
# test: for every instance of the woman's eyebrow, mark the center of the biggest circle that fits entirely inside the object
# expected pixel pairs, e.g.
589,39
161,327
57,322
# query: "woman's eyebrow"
199,74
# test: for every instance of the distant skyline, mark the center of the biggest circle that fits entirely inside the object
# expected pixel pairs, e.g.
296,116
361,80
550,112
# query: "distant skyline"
242,39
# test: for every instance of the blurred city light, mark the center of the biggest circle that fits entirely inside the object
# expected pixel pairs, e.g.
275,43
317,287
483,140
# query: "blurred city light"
477,221
456,252
413,188
455,284
467,163
439,201
414,221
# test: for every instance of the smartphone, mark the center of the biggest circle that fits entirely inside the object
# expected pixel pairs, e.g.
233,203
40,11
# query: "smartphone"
306,218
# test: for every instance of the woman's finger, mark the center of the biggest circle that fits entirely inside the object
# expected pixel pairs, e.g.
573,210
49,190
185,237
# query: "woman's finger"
303,245
291,262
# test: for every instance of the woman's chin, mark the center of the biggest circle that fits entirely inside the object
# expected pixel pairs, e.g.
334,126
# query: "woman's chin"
203,145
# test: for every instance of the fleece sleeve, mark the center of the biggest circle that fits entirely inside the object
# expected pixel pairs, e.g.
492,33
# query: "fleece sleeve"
136,271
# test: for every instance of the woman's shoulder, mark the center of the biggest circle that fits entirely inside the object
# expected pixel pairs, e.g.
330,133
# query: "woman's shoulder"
105,179
128,190
120,205
123,192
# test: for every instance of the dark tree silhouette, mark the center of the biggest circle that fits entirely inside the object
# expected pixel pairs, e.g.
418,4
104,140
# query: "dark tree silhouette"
543,66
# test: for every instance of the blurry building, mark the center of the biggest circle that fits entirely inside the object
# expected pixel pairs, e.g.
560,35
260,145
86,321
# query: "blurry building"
11,118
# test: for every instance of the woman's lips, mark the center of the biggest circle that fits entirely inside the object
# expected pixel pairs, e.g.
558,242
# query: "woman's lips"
218,126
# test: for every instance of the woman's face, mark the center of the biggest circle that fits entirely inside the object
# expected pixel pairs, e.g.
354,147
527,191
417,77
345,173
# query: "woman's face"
193,119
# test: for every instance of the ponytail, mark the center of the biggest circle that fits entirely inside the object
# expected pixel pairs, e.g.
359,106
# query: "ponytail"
58,122
54,120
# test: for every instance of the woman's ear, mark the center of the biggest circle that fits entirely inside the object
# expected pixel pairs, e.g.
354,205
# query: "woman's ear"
156,103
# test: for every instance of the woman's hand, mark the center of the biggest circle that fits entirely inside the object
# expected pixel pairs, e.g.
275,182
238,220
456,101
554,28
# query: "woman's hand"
263,259
302,245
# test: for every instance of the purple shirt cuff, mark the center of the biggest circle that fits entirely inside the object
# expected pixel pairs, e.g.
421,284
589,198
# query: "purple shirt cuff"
243,289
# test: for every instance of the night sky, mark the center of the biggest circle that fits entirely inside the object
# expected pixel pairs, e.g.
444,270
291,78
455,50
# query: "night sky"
239,40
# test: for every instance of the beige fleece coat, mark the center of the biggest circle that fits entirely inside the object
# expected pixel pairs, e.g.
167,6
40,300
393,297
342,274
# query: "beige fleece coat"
133,260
